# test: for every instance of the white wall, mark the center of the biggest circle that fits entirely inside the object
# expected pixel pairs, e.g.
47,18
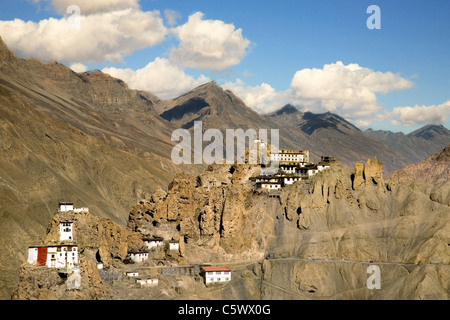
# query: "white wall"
32,255
65,231
66,207
217,276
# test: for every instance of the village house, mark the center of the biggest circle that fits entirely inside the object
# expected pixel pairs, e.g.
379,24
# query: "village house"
290,179
290,156
54,256
216,274
132,274
268,182
174,245
147,281
68,206
153,243
65,206
66,231
139,256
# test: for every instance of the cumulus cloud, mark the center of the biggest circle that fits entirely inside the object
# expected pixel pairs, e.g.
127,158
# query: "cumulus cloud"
100,37
261,98
208,44
420,115
159,77
78,67
92,6
349,90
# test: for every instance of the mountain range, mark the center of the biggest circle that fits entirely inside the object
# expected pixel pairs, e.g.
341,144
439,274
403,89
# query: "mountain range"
87,138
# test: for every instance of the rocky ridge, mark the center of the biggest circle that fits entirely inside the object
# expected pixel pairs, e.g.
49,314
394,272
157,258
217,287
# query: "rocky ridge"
315,241
434,169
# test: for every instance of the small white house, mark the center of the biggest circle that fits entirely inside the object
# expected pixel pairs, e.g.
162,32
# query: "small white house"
32,255
138,257
291,179
78,210
269,185
66,231
147,282
132,274
216,274
65,206
154,243
174,245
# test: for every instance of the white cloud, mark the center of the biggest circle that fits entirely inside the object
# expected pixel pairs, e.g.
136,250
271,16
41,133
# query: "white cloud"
348,90
159,77
208,44
78,67
100,37
262,98
92,6
420,115
171,16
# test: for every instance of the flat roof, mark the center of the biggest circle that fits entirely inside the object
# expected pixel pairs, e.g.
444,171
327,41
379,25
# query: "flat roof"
210,269
152,239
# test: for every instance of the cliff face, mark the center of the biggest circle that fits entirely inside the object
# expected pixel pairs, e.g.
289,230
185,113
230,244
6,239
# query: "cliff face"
316,241
215,216
333,228
318,238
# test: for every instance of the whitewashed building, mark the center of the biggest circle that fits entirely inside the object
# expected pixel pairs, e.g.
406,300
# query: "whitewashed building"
55,256
153,243
132,274
216,274
289,155
65,206
147,282
308,171
174,245
138,257
268,182
66,231
62,256
291,179
68,206
33,255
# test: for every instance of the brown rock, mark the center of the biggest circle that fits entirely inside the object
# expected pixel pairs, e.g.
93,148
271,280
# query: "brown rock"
358,179
373,172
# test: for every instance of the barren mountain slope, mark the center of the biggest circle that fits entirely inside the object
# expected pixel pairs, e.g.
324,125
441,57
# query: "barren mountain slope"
434,169
44,161
84,138
417,145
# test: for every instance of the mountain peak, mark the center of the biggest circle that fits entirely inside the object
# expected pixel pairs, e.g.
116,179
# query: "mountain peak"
287,109
429,131
314,122
6,54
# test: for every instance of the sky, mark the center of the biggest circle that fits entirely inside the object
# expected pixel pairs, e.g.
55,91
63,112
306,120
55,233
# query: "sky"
384,67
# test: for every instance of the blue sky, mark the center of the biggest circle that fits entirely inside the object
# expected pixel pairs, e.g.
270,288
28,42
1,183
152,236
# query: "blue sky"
318,55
